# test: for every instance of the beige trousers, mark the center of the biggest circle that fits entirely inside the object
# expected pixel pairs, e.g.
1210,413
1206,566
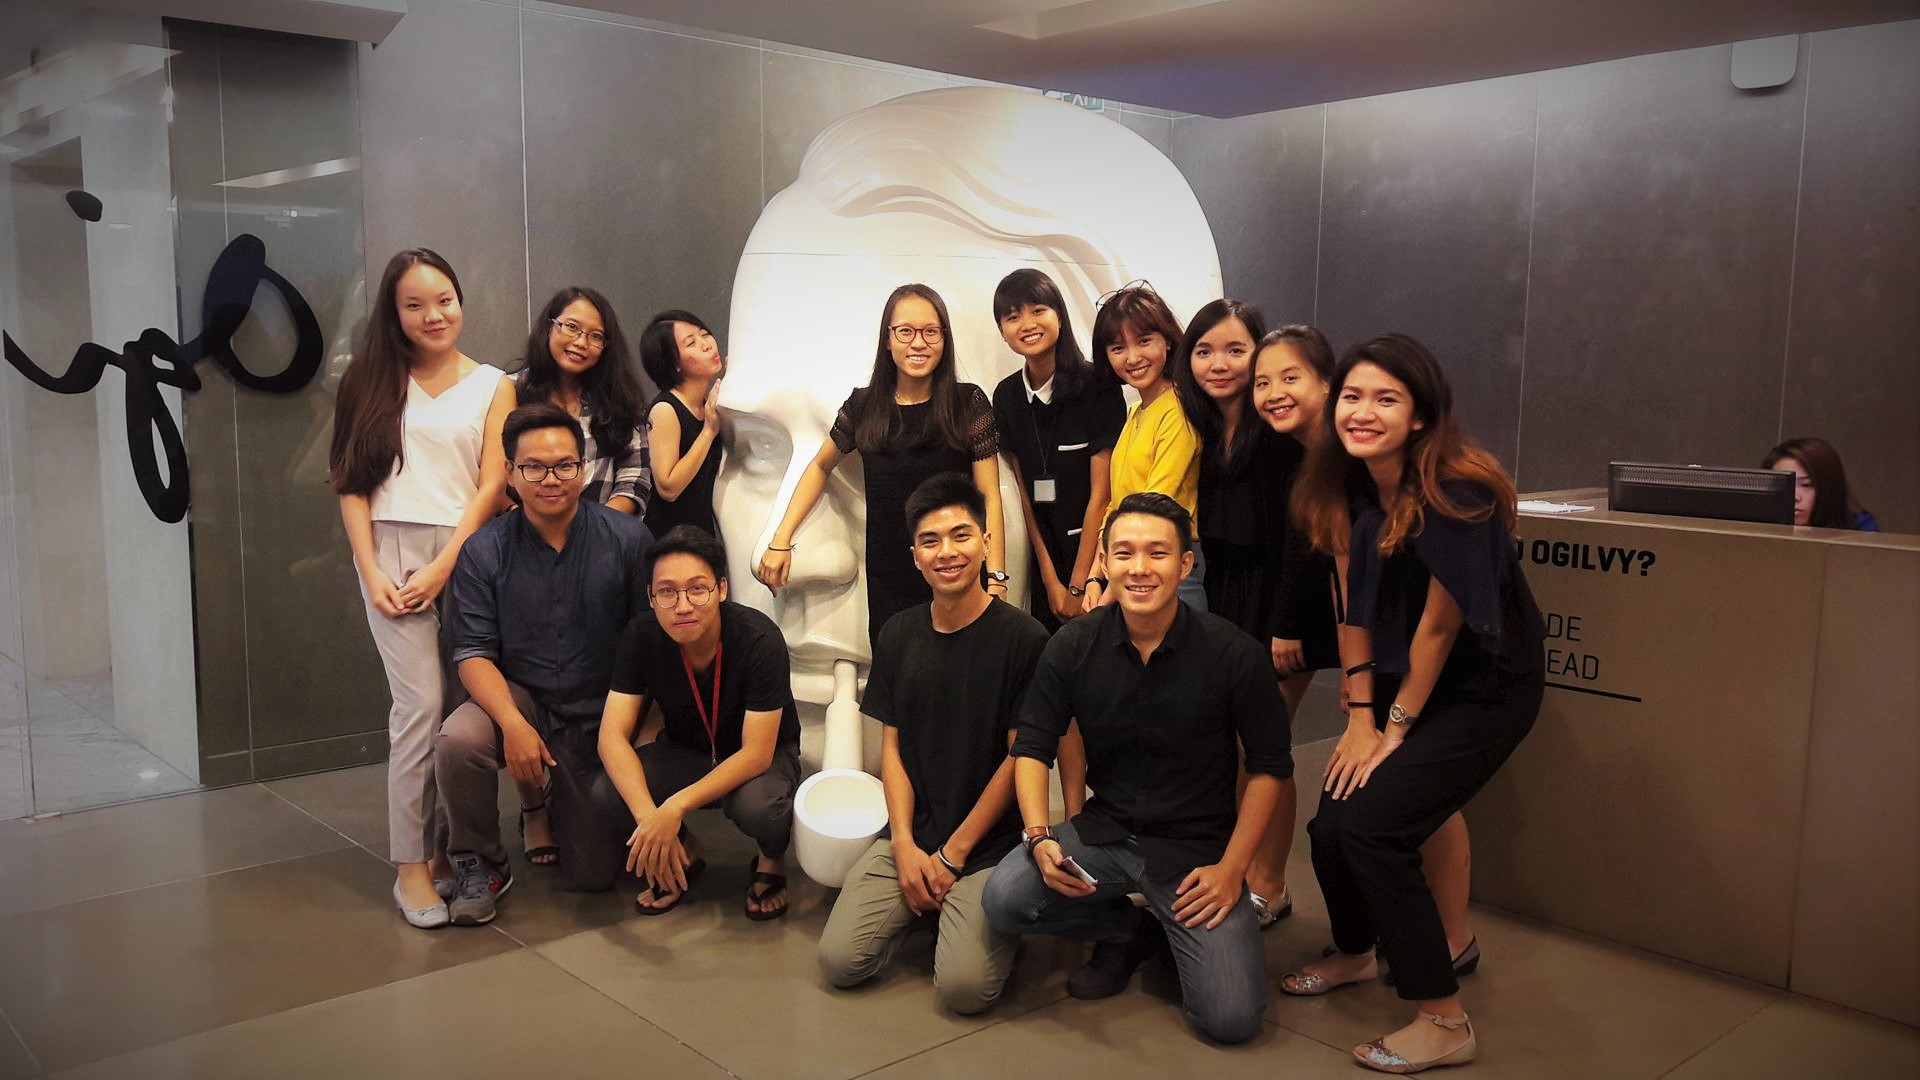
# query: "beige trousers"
417,679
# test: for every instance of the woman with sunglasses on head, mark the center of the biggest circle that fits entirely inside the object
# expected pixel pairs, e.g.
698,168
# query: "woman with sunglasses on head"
1158,449
577,359
683,360
1445,663
417,462
1292,374
912,420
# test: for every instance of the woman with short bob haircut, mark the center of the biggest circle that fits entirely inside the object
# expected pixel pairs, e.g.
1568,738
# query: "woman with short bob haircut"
684,361
1445,663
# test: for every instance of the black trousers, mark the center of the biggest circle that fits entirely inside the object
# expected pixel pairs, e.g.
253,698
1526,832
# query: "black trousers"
591,821
1366,848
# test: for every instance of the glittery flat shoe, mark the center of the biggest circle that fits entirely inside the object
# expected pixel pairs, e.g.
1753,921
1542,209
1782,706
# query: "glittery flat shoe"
1376,1056
1301,984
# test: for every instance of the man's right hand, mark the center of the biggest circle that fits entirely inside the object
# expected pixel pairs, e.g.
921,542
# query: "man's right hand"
914,869
527,755
1047,855
1063,604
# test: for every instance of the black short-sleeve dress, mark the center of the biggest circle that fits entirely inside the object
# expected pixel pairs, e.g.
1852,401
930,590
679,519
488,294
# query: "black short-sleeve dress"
893,469
1261,574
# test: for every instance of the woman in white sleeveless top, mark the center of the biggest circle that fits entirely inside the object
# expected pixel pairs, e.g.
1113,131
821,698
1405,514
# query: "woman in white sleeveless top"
418,464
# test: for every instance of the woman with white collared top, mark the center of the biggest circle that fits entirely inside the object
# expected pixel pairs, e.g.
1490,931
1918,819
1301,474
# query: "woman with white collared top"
417,462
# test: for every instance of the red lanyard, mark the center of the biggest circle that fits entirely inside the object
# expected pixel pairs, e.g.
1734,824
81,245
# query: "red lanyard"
711,723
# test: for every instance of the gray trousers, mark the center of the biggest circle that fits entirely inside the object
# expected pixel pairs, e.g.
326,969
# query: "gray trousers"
417,680
971,960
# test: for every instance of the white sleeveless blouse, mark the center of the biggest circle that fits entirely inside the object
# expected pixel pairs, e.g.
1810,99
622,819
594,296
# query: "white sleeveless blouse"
440,442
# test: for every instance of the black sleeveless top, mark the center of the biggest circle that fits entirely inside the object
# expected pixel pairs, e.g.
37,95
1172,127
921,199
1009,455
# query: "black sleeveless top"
695,504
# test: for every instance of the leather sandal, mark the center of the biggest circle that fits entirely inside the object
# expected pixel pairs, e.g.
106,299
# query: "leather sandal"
776,884
535,854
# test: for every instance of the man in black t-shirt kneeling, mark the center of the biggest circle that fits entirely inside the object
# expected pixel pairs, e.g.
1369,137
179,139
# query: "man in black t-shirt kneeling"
947,681
721,674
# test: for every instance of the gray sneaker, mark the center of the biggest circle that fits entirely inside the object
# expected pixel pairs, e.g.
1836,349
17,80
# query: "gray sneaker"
478,885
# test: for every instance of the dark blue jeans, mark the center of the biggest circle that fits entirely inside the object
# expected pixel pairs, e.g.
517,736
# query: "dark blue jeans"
1223,971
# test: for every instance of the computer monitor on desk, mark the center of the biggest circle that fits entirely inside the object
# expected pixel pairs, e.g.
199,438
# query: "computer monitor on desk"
1763,495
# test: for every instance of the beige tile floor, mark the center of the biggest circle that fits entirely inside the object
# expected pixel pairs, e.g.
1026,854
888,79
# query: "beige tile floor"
248,933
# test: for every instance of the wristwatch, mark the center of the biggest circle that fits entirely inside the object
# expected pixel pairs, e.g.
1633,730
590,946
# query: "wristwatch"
998,577
1400,717
1076,590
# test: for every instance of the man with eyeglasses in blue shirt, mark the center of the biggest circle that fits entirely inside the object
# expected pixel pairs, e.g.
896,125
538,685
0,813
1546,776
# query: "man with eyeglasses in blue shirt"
731,735
540,597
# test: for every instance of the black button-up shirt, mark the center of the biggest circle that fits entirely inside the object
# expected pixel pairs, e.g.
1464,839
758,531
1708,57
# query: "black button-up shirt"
551,620
1160,735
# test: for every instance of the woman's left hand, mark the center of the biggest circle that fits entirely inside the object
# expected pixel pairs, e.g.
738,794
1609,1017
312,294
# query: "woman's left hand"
1388,744
423,587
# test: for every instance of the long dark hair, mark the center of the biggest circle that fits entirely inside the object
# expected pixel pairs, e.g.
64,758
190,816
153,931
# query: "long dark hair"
372,400
1071,371
1436,453
660,349
1217,452
1833,503
608,390
876,419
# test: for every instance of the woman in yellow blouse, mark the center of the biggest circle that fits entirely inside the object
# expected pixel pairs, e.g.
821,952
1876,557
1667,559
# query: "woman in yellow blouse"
1159,448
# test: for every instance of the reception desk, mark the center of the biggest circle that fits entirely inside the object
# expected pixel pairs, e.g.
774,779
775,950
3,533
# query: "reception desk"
1726,768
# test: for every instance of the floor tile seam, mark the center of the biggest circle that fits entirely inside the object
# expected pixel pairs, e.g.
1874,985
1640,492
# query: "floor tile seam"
310,814
76,901
21,1039
1720,1038
985,1027
243,1021
534,950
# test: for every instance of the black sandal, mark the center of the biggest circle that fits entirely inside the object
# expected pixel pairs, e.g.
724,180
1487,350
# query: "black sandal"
776,884
655,892
534,855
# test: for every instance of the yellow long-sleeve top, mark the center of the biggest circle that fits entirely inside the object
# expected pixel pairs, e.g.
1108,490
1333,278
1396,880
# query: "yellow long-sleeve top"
1158,450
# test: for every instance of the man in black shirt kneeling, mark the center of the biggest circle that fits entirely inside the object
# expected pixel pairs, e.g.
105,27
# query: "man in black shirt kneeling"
1162,693
947,680
721,674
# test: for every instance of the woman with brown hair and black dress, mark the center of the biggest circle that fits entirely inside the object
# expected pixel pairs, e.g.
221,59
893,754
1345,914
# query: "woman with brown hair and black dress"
912,420
681,357
1445,663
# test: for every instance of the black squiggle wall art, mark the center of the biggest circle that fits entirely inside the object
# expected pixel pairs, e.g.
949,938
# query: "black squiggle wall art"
240,269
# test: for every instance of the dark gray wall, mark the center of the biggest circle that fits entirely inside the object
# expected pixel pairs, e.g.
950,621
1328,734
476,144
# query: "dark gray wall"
1623,260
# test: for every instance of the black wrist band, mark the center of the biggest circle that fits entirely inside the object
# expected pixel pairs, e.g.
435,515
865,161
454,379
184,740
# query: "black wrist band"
1359,704
941,854
1358,668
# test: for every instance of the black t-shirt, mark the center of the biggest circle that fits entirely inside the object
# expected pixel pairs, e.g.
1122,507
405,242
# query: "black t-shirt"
755,677
952,698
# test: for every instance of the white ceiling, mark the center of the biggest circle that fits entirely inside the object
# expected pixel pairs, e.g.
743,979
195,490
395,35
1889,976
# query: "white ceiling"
1232,57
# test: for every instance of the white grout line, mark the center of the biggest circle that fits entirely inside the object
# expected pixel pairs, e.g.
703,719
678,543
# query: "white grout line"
1526,288
1793,254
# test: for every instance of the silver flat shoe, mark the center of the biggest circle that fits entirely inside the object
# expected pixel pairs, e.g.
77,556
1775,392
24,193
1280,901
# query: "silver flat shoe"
1302,984
426,918
1376,1056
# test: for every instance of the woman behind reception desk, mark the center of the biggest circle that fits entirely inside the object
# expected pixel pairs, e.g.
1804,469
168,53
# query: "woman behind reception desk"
1820,495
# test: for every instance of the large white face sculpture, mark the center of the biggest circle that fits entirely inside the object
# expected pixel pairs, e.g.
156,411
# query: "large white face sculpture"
955,188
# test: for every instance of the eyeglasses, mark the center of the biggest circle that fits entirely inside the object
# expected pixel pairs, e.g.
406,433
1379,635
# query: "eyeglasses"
1141,284
574,330
666,597
905,334
533,472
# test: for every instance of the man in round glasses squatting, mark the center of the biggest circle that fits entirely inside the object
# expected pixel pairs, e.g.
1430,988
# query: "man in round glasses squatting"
731,736
540,596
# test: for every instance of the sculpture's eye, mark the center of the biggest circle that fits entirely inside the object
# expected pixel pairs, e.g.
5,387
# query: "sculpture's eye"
760,447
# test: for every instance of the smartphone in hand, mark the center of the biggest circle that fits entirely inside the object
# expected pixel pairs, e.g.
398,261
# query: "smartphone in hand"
1074,868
